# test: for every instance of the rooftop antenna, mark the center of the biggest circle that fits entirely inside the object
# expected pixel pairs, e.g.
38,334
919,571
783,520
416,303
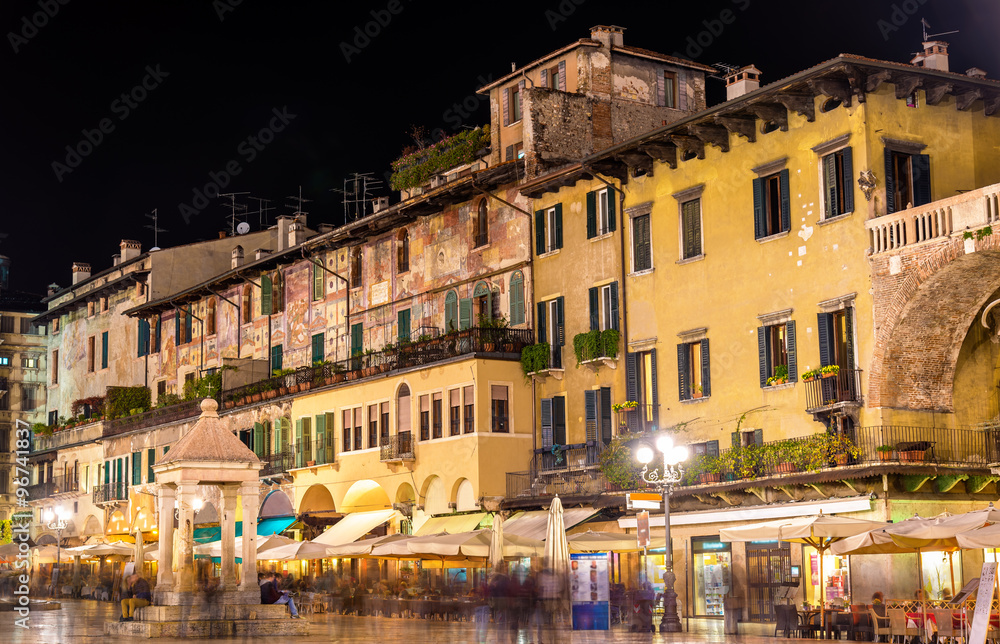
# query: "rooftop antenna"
298,205
262,210
725,69
235,208
926,25
155,228
358,193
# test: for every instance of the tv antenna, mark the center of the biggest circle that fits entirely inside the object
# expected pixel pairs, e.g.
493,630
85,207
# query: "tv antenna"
926,25
262,210
298,205
235,209
155,228
725,69
357,193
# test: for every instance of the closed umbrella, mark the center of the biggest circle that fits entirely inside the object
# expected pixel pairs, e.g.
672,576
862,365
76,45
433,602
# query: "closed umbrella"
495,559
139,552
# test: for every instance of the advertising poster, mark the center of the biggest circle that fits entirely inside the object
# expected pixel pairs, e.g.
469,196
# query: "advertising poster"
590,592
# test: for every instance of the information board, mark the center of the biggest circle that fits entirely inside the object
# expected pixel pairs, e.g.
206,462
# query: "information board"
984,600
590,591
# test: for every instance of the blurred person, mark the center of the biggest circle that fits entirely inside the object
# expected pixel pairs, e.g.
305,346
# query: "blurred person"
137,596
269,594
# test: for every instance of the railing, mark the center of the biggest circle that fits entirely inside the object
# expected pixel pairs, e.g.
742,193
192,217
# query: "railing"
153,417
641,418
110,492
840,388
938,446
603,347
277,463
503,343
397,448
41,490
568,457
68,436
939,219
303,452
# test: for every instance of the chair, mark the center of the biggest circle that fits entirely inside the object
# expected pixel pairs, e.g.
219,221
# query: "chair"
877,629
781,623
897,624
945,624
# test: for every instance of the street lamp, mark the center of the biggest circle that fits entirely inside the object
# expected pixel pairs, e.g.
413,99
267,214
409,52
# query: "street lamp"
56,521
665,479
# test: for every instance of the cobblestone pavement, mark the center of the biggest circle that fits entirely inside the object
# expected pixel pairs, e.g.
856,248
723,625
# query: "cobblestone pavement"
82,622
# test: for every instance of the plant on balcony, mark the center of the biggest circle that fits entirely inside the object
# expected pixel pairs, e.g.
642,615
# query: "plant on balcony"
780,376
41,429
618,464
784,455
885,452
94,403
535,358
810,375
746,461
595,344
122,400
414,169
840,448
829,371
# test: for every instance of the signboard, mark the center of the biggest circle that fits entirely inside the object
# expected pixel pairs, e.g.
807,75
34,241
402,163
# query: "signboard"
984,599
590,591
379,293
642,501
642,521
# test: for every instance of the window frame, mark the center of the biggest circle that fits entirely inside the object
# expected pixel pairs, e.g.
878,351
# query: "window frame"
684,254
669,95
647,217
500,423
688,367
356,267
481,225
550,230
403,251
772,198
604,225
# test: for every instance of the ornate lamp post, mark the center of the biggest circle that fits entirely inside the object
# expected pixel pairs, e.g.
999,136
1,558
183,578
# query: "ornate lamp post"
665,480
56,521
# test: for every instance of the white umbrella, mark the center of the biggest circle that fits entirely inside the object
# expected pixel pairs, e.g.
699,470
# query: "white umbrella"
477,543
364,547
264,543
297,551
591,541
495,559
556,554
139,552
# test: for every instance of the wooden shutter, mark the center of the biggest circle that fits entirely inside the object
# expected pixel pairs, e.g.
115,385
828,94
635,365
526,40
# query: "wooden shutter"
562,75
712,448
849,330
136,468
403,324
317,283
465,314
611,209
683,357
682,102
661,93
451,312
763,355
159,328
508,153
188,322
505,104
735,439
559,324
265,295
559,420
591,214
276,357
357,331
107,472
177,327
793,361
258,440
558,226
299,447
540,324
847,170
920,166
517,300
318,350
890,183
540,232
544,78
758,437
546,409
830,180
319,450
150,461
691,216
590,413
605,415
104,350
759,223
143,348
595,308
614,305
825,348
706,370
786,202
640,230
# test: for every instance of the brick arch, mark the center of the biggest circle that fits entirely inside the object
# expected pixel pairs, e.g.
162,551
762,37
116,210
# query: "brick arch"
923,314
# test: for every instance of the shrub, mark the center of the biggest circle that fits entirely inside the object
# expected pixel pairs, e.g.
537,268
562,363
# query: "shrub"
535,358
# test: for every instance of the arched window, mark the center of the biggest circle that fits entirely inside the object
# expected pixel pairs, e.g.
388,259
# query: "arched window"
483,300
482,225
403,252
356,267
210,317
403,410
451,312
246,305
517,298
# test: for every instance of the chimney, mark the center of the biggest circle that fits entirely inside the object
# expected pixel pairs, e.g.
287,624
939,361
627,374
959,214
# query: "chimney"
261,252
608,36
116,259
284,222
130,249
81,272
237,257
934,56
296,234
53,289
222,234
379,204
742,81
975,72
325,228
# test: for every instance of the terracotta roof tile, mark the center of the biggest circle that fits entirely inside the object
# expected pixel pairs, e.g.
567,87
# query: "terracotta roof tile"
210,440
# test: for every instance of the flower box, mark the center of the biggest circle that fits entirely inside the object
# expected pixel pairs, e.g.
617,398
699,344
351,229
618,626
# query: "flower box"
912,456
785,468
708,477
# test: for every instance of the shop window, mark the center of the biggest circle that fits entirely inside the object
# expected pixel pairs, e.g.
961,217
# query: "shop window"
769,573
712,573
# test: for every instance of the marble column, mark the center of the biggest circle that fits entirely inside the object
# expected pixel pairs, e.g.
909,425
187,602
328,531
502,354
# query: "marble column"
185,582
249,492
228,523
164,574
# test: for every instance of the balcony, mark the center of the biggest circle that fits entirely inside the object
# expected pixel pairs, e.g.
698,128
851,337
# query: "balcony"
160,416
41,490
80,434
277,463
110,493
567,457
638,419
397,448
595,349
825,395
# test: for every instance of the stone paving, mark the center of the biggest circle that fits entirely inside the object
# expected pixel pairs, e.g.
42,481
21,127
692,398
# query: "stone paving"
82,622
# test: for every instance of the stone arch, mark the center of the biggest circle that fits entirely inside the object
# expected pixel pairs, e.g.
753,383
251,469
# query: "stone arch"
46,539
207,514
923,316
91,527
363,496
317,499
405,493
276,504
117,523
433,496
463,495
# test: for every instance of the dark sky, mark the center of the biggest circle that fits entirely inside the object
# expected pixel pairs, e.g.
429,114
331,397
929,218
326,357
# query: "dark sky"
217,73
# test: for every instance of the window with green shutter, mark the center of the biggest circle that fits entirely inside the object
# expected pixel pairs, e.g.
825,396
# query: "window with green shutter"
771,205
776,355
318,348
319,446
642,256
357,333
136,468
150,462
265,295
104,350
693,370
517,298
276,357
403,325
143,337
319,287
451,312
691,229
465,314
258,440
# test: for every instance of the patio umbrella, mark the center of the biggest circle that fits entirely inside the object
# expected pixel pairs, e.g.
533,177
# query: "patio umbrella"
591,541
8,551
364,547
139,553
297,551
495,560
264,543
476,544
820,531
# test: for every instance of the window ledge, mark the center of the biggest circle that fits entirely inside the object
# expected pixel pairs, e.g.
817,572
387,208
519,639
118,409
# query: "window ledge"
764,240
833,220
602,236
482,246
645,271
691,260
548,253
785,385
545,373
513,123
596,363
694,401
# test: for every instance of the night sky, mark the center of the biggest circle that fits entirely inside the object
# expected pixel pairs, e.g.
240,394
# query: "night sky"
157,99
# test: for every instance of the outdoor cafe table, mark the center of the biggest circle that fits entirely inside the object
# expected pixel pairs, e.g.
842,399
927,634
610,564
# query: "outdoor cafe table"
916,620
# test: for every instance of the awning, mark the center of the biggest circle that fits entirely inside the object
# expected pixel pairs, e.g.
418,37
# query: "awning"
532,524
777,511
354,526
265,527
452,524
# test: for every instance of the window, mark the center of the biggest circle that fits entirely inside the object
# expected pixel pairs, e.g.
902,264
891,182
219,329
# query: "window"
499,409
641,387
468,395
642,256
403,325
481,224
356,268
346,431
55,368
597,415
136,468
425,418
91,352
53,417
319,285
436,416
451,312
517,298
161,388
277,355
747,437
771,206
6,323
551,328
104,304
836,339
150,461
28,399
266,295
357,332
358,436
511,103
183,326
104,350
693,375
600,213
838,190
4,361
26,328
484,301
143,338
691,229
210,318
911,100
246,305
554,77
548,229
403,252
454,412
372,425
278,293
669,86
384,423
604,307
318,348
91,308
908,180
776,348
29,362
56,323
403,410
553,413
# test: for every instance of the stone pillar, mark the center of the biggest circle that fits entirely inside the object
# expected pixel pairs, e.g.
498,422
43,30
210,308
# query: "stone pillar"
165,575
228,523
251,501
186,493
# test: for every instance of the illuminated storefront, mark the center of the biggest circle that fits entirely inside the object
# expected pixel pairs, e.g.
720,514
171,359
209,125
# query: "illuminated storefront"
712,575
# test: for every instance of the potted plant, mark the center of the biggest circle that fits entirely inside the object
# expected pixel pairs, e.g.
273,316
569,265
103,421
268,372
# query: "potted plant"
255,395
885,452
697,392
785,456
829,371
267,390
841,449
710,469
369,368
811,375
910,452
337,373
780,376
